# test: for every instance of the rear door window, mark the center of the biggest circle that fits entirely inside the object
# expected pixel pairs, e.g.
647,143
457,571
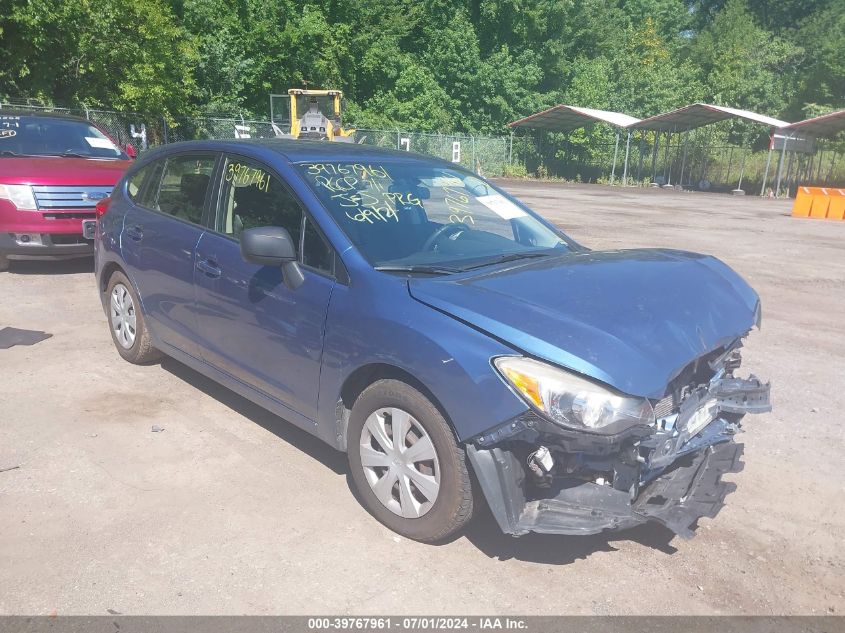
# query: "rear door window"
184,186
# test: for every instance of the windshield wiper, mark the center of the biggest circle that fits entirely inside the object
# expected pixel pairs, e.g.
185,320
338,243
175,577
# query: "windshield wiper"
8,152
428,270
507,257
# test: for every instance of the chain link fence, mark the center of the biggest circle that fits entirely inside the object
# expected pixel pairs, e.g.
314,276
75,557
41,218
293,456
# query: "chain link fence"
705,159
702,160
486,155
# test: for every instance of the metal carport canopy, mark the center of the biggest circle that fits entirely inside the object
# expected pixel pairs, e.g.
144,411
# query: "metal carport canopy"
826,125
700,114
564,118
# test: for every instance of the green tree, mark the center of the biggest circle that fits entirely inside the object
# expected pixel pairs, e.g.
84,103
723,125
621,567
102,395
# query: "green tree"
416,101
468,65
128,55
742,64
651,79
821,80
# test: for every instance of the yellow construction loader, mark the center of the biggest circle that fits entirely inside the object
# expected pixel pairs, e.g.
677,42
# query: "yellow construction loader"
310,114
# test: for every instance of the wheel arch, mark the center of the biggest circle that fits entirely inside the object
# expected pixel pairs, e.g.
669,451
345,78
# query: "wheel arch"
108,270
364,376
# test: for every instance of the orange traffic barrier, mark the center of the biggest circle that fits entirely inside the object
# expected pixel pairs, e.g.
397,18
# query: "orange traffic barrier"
819,207
803,202
819,202
836,210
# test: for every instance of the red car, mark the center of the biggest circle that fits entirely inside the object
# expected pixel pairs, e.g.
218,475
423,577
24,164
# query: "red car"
53,170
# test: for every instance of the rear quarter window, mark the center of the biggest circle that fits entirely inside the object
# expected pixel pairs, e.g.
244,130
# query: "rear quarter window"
143,184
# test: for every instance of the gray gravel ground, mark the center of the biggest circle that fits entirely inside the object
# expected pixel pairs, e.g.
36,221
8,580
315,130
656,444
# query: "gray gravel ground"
230,510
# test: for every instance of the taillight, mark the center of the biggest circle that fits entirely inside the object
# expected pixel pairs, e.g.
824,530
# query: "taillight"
101,207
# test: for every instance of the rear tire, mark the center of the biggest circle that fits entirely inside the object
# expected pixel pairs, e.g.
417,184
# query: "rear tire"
126,322
4,263
406,464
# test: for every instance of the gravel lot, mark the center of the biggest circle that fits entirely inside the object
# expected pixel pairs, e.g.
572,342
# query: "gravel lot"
230,510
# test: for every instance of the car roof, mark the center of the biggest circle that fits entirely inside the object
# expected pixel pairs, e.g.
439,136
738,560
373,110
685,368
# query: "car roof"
44,114
296,151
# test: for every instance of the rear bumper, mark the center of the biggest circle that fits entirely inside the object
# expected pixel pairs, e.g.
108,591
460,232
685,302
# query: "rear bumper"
52,245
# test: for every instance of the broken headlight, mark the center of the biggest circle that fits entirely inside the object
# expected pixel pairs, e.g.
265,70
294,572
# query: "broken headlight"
572,401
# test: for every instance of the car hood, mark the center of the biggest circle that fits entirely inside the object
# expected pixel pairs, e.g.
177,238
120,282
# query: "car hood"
632,319
52,170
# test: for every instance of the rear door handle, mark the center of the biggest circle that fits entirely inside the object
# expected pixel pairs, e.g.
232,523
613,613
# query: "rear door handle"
209,267
135,232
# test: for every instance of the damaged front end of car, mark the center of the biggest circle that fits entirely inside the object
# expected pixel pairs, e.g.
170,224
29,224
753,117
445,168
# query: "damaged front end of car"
585,459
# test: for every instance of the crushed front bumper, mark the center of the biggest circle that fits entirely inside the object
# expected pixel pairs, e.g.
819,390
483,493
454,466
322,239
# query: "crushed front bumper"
663,475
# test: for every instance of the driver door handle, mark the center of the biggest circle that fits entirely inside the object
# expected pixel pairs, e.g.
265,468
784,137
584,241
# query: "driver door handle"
209,267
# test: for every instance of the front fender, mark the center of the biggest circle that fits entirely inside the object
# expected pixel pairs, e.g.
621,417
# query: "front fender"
389,327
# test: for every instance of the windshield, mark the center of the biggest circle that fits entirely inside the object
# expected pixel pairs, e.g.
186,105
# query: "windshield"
418,214
311,103
43,136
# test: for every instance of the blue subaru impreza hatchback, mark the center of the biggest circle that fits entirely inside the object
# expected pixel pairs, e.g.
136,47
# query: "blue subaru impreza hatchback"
453,343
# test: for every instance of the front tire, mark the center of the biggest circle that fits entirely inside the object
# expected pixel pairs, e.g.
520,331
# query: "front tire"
126,322
4,263
406,463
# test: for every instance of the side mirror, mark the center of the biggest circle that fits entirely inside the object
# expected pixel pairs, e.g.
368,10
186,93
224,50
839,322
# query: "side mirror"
130,151
272,246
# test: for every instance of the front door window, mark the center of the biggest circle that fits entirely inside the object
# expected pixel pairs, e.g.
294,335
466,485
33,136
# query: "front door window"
252,196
